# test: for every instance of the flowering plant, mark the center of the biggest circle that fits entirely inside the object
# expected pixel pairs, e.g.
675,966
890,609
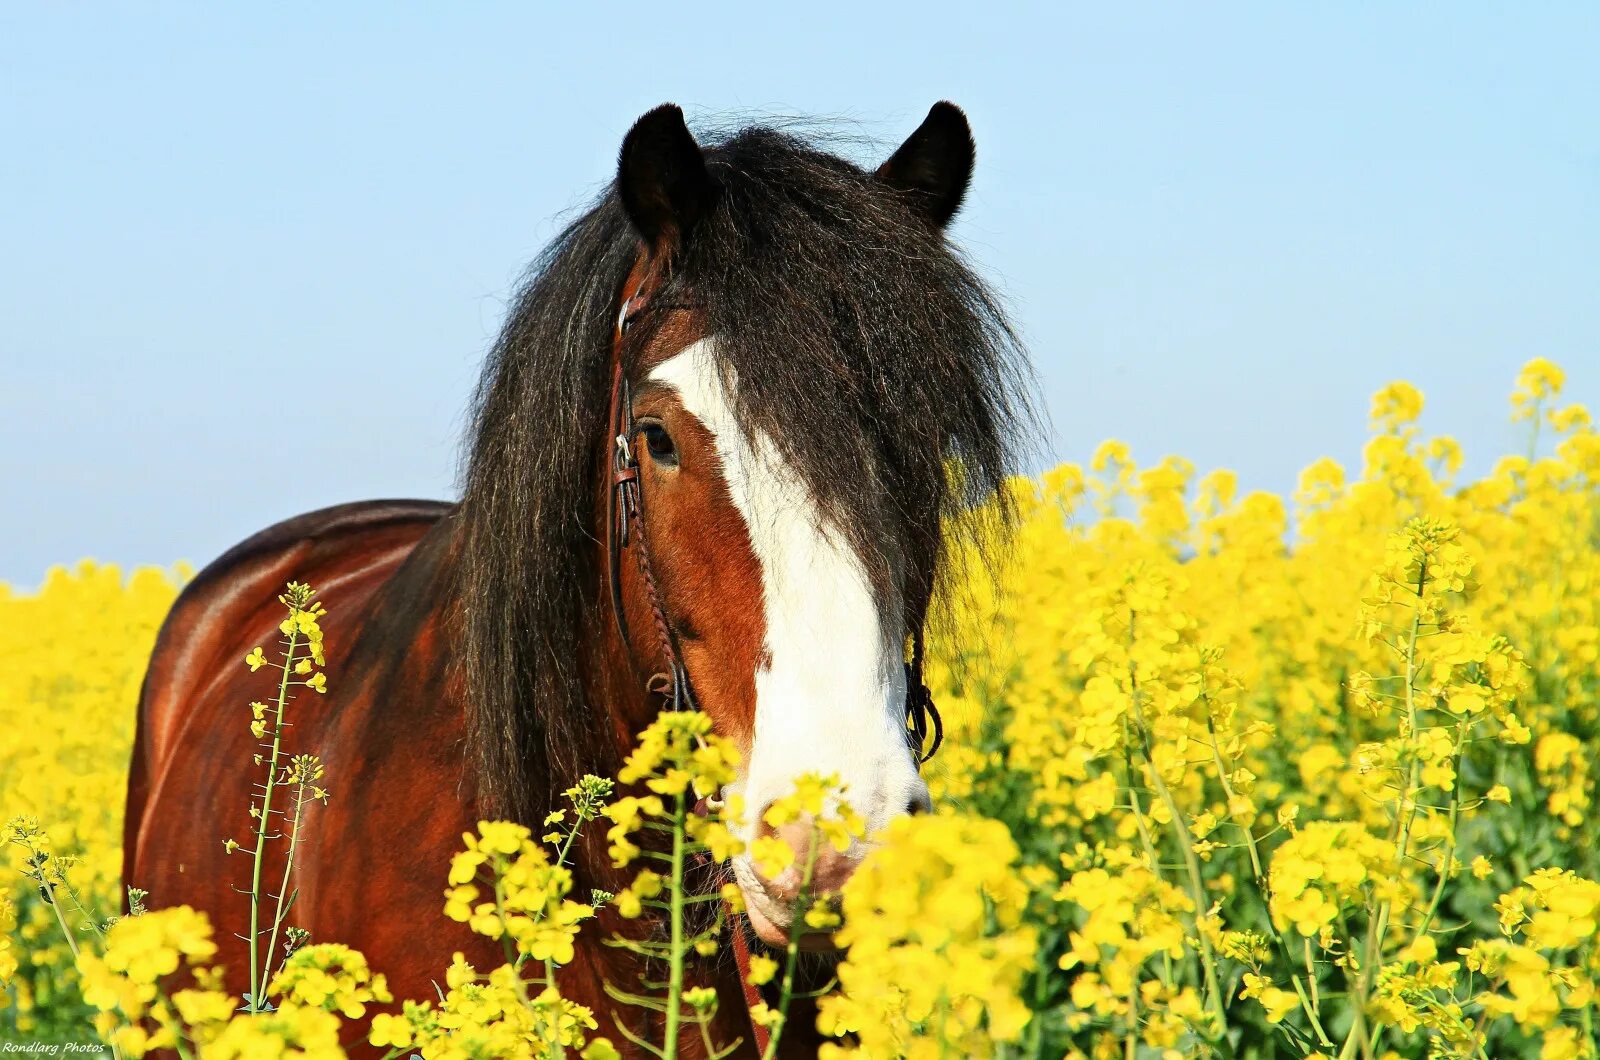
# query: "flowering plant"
1226,774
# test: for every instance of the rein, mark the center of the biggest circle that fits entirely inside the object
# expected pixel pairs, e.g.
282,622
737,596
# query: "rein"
625,529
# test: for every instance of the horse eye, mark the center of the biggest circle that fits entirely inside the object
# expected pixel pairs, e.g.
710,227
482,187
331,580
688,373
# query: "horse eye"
659,442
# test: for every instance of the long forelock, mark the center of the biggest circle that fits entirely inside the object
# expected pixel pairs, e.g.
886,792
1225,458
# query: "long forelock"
863,346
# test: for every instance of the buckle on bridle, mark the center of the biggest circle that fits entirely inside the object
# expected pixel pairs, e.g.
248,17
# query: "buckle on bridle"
921,713
921,717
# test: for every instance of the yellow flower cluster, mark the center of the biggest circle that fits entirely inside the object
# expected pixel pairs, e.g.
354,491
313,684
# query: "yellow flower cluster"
524,894
938,949
154,990
1277,758
1555,963
816,800
8,947
75,652
125,982
1131,915
493,1015
508,1013
329,976
1326,869
677,757
293,1032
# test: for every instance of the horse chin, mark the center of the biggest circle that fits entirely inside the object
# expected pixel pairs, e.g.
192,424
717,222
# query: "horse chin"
766,930
775,934
771,917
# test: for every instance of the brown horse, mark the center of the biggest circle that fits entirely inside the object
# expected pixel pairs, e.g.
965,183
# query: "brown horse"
816,387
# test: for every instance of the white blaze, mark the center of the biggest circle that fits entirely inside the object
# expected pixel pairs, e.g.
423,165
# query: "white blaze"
830,689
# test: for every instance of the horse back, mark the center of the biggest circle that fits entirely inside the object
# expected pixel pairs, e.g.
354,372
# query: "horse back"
192,748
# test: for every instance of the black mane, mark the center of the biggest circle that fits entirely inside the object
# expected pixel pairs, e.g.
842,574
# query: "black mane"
862,344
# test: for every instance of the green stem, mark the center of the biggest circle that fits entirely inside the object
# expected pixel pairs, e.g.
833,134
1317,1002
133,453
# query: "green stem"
1311,977
792,952
557,1050
1378,926
72,944
83,910
283,888
1131,1043
676,955
566,844
260,858
1309,1004
1450,843
55,907
1197,892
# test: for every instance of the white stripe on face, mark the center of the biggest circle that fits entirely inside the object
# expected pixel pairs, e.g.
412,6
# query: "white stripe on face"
830,695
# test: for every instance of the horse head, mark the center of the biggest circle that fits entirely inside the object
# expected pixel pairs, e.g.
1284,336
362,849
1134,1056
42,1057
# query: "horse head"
791,391
787,629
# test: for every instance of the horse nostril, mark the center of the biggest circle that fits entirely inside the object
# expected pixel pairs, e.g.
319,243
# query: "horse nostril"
920,803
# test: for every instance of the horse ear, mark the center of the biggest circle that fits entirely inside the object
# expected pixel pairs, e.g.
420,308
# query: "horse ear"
662,179
933,167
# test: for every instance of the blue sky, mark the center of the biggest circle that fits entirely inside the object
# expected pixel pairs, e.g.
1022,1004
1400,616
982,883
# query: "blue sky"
249,263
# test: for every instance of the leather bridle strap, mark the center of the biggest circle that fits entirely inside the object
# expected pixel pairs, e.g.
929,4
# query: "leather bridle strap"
622,497
921,714
625,528
752,992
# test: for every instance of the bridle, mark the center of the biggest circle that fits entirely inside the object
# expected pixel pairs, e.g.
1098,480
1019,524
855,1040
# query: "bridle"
625,530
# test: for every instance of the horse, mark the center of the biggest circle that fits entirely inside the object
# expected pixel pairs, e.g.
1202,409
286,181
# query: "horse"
777,368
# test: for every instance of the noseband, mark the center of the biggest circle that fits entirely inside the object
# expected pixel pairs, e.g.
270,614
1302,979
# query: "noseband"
625,529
